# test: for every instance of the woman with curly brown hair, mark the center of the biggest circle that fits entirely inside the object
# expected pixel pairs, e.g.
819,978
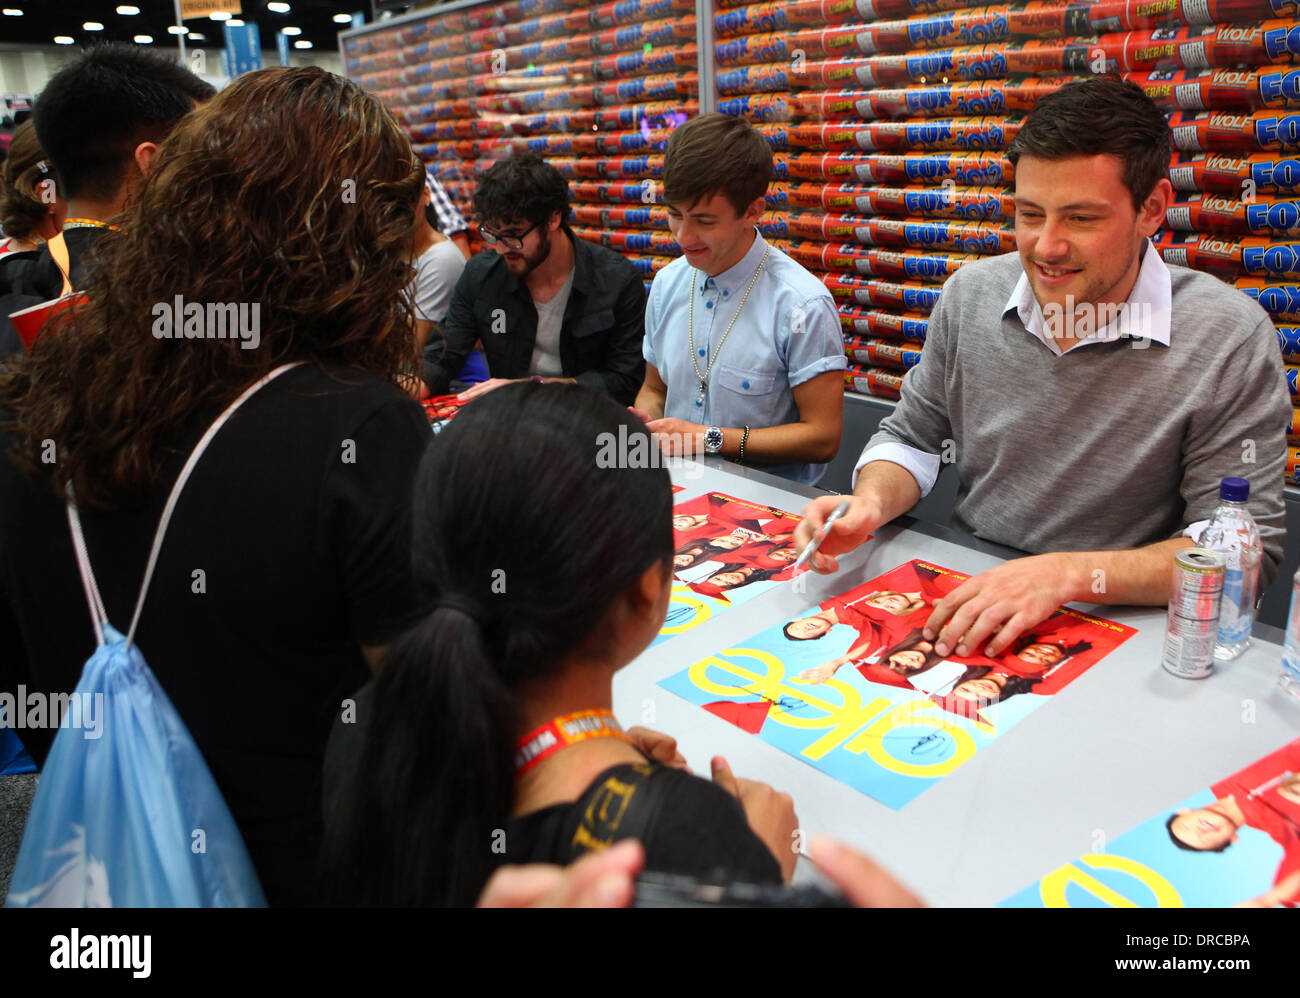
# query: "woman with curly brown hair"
290,196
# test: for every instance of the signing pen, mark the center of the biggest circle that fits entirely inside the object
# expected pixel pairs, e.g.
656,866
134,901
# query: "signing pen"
816,542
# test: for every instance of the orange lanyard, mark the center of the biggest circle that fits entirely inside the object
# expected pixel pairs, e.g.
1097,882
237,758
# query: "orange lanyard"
86,223
563,731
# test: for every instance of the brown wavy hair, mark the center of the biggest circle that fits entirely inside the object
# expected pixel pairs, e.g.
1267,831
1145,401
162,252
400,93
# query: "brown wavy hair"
292,189
22,207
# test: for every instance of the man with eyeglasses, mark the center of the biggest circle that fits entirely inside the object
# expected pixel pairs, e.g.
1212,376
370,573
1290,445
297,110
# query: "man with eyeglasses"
546,305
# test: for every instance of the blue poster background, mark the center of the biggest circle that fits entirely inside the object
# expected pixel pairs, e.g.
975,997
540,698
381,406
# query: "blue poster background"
1144,869
887,742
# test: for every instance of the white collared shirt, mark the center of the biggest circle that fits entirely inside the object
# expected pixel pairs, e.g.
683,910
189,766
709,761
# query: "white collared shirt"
1145,315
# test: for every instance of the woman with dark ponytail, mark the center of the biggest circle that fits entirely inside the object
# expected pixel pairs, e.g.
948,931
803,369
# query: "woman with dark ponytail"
542,574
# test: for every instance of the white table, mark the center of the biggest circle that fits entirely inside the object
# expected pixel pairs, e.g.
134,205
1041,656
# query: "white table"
1121,742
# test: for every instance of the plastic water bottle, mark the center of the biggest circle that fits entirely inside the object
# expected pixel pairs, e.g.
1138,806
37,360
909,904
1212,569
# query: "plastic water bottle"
1232,532
1289,680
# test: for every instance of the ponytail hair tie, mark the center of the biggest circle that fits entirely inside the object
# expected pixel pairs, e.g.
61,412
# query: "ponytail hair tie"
462,605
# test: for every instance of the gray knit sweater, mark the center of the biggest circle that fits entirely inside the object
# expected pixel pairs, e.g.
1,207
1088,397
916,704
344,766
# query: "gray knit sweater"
1107,446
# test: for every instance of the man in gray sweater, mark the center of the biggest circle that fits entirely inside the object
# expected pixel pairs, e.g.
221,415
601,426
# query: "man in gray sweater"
1091,396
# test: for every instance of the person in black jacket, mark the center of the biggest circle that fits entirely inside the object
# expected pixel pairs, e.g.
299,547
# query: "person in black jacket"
545,304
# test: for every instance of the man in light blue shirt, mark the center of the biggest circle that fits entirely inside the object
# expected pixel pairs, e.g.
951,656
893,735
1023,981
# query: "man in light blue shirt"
743,346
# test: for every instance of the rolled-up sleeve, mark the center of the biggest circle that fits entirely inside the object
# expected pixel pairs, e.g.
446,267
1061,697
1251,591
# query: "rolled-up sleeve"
814,342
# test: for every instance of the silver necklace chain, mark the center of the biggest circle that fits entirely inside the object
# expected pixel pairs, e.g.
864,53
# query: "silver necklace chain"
690,326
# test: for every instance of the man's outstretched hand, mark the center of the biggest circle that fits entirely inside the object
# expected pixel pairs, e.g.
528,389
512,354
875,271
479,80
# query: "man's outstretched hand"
1001,604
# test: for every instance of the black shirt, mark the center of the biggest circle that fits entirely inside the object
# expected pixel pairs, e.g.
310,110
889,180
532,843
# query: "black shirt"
700,830
600,336
298,518
29,278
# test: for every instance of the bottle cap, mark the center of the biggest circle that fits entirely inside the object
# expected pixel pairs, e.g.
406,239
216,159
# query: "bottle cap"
1234,489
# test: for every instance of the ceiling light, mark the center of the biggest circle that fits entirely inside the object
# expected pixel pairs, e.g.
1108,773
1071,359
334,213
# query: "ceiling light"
127,9
342,18
144,39
12,12
195,36
92,26
291,31
302,45
278,8
176,29
235,22
219,16
64,40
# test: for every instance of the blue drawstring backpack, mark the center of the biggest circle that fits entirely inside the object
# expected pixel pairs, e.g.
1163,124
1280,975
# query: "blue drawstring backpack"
126,813
14,757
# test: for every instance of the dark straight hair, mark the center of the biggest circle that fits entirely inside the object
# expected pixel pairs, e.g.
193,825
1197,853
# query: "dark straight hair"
95,111
716,153
522,542
1101,115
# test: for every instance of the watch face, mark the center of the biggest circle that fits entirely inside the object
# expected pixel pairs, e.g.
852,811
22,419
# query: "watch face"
713,440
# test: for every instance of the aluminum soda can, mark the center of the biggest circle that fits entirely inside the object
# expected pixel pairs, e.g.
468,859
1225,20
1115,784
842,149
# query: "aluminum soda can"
1193,622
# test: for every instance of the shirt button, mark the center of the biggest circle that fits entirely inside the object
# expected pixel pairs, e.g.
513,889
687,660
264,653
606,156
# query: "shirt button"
701,352
708,304
725,292
744,384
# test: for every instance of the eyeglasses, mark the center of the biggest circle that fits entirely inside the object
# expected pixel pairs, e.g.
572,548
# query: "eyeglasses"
510,240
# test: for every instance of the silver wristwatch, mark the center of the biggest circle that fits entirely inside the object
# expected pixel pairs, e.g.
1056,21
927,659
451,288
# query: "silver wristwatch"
713,440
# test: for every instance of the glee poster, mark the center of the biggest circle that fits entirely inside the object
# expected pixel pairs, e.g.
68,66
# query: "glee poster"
853,688
440,409
1236,844
726,551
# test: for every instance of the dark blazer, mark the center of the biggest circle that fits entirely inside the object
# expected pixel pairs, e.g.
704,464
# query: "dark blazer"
600,337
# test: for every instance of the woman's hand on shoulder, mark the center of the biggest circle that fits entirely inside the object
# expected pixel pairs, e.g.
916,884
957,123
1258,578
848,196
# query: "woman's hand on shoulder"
604,879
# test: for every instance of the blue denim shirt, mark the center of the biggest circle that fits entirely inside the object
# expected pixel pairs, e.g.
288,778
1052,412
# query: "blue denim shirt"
788,333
